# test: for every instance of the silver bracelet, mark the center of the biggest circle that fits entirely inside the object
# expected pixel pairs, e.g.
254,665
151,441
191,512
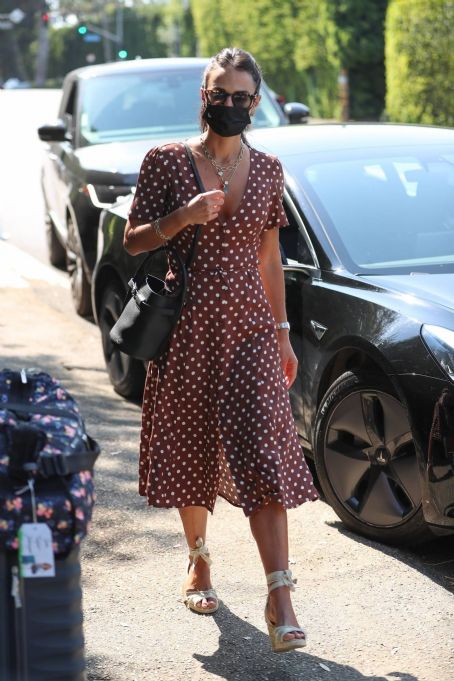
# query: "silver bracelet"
282,325
159,231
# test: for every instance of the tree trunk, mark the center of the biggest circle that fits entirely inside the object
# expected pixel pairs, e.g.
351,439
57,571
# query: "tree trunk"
42,56
344,95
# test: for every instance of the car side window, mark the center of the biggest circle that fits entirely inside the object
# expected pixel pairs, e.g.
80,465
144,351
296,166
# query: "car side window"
293,241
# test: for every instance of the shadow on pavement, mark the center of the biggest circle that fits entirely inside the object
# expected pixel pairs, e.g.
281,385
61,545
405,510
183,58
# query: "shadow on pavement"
433,559
244,654
98,669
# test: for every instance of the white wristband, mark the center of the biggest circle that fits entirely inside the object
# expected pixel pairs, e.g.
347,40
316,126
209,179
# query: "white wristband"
282,325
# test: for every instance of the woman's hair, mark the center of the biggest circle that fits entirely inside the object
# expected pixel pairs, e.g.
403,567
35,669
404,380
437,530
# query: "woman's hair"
238,59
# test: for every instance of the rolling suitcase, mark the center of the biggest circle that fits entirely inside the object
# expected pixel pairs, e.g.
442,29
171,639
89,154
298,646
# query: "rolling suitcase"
46,500
41,628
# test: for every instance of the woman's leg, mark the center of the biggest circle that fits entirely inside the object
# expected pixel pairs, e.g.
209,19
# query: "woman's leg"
194,519
269,528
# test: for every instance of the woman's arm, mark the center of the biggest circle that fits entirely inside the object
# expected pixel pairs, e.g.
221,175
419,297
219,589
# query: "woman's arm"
272,274
141,237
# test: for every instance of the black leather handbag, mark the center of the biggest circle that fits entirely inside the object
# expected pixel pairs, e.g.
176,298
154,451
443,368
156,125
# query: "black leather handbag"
151,311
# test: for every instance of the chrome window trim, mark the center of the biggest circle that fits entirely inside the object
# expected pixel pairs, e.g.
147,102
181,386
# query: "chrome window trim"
302,227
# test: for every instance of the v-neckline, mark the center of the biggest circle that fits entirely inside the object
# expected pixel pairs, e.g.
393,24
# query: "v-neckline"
246,188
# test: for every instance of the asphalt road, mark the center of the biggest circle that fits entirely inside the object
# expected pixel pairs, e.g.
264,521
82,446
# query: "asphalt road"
372,612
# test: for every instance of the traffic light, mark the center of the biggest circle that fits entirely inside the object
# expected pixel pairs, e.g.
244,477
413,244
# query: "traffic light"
122,54
45,18
82,30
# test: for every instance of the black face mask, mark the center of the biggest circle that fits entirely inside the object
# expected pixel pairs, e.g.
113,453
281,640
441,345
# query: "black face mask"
226,121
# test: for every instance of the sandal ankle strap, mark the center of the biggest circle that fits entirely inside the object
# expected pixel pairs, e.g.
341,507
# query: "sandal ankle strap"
280,578
201,551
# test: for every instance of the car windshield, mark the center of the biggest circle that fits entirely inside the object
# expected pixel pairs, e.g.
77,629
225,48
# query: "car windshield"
387,211
147,104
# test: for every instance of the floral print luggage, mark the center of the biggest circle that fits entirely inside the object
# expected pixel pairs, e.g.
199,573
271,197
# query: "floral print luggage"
46,476
42,431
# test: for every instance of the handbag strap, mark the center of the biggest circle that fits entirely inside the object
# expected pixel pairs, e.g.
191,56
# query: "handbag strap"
202,190
191,253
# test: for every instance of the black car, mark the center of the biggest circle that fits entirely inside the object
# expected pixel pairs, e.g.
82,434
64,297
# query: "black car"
369,270
109,116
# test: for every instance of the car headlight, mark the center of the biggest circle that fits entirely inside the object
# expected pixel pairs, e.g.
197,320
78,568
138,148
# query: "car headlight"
440,342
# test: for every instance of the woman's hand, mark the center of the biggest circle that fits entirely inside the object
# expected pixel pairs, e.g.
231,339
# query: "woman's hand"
289,362
204,207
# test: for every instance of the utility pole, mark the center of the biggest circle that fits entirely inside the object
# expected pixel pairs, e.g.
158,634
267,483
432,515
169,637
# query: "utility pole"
108,36
42,56
106,43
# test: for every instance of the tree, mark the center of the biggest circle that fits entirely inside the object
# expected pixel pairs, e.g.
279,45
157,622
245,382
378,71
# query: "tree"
420,61
262,27
211,25
303,45
316,55
361,45
179,33
142,28
15,57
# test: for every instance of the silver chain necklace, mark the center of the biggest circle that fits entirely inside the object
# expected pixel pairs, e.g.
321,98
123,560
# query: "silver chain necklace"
221,170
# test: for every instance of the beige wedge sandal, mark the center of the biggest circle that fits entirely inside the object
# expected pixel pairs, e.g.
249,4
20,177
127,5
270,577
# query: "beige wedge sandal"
192,597
277,633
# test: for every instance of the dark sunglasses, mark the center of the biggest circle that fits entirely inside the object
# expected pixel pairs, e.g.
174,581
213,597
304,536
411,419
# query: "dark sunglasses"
242,100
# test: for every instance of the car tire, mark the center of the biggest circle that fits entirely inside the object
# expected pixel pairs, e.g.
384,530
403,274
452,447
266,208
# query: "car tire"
366,460
55,249
126,374
80,286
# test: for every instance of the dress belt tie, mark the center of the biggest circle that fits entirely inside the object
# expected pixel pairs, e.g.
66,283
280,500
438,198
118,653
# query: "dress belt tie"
223,272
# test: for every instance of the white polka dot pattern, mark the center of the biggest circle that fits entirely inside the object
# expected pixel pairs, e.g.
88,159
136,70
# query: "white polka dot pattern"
216,416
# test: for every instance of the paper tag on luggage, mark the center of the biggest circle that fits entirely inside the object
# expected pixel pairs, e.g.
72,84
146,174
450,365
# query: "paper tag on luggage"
36,557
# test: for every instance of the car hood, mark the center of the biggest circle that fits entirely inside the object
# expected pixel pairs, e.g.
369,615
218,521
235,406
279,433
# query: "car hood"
120,159
433,288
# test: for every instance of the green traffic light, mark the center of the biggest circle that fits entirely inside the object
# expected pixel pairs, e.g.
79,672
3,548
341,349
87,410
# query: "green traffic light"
123,54
82,30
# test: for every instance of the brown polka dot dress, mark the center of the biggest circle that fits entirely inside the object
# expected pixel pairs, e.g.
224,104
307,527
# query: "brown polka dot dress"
216,412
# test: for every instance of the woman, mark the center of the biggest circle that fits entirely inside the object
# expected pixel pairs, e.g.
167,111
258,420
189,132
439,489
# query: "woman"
216,411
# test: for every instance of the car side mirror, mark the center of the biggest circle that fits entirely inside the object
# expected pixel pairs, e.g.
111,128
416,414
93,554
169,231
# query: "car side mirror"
296,112
57,132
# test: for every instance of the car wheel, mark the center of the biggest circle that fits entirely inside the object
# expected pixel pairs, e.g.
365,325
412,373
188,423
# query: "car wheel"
57,252
126,374
80,286
366,460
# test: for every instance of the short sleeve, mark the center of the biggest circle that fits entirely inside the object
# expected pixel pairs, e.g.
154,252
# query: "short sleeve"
149,200
276,213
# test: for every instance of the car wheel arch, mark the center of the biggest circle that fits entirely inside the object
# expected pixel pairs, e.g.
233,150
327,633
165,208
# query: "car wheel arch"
105,276
71,216
359,356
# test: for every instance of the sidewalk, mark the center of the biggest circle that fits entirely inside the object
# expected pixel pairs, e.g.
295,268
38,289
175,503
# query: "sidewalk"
372,612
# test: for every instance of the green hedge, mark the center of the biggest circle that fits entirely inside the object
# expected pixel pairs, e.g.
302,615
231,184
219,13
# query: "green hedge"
302,45
420,61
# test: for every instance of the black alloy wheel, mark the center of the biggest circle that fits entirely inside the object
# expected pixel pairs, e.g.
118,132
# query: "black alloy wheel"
55,249
126,374
80,286
366,460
